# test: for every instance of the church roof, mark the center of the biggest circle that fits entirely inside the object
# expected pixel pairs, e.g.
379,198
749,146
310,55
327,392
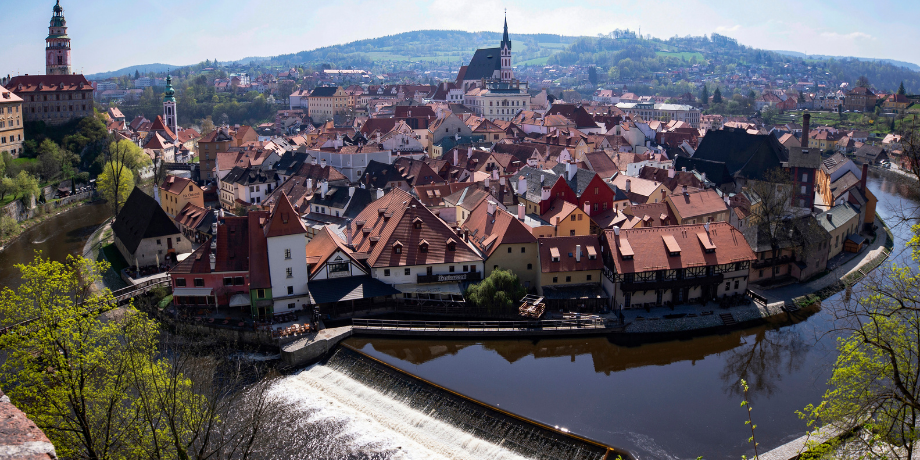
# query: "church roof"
484,64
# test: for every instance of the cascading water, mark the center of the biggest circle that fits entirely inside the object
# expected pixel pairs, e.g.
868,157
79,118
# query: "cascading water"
389,410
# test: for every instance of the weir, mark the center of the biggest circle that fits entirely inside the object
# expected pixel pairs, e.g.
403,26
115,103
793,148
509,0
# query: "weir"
448,423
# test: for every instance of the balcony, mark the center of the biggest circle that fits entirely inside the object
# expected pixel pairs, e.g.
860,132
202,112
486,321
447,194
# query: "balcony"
782,260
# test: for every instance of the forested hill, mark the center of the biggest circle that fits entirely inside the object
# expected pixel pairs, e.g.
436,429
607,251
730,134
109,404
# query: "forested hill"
636,58
436,46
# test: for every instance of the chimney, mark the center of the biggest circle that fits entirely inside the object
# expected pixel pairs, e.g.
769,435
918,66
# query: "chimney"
671,173
616,230
706,226
322,162
628,185
865,176
487,182
379,193
312,160
683,190
570,170
213,260
830,217
348,236
520,212
522,185
577,253
544,195
456,157
324,187
683,169
491,208
806,122
495,174
542,178
351,191
703,176
501,181
728,201
588,208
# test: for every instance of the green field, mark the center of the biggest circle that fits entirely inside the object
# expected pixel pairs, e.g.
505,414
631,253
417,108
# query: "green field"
682,55
537,61
846,121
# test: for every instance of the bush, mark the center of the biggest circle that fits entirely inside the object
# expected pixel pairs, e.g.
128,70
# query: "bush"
498,294
8,227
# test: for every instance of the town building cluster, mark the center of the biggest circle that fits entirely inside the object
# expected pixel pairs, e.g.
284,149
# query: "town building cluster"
594,207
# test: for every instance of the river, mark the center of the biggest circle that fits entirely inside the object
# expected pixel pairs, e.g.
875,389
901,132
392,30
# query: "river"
57,237
669,400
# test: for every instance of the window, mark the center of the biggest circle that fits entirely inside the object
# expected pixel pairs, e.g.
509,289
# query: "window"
180,282
573,217
289,272
228,281
589,277
386,272
407,271
290,306
495,267
728,285
804,177
397,249
596,190
287,253
523,249
555,279
290,290
509,250
260,293
568,279
804,190
158,242
423,247
238,281
466,268
571,232
450,269
199,282
736,284
760,274
338,268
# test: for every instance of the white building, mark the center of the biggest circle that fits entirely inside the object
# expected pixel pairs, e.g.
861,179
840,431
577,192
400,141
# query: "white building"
662,112
498,100
286,238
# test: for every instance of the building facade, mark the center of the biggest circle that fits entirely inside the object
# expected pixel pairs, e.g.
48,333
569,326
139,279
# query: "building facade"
11,130
53,99
326,102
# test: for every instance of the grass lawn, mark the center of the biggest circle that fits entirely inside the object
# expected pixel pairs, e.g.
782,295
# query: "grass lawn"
682,55
114,257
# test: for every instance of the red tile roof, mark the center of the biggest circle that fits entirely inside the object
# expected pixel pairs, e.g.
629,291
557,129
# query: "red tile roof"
697,203
391,219
259,276
48,83
504,226
562,246
284,220
649,251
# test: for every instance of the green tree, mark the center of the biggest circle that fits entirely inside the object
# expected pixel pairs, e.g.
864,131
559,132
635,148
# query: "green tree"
901,89
67,368
115,184
862,81
8,186
130,155
592,75
498,294
704,95
27,187
8,226
717,96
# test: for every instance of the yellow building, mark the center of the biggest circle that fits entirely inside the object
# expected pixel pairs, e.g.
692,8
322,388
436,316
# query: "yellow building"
327,101
568,219
569,261
11,131
176,192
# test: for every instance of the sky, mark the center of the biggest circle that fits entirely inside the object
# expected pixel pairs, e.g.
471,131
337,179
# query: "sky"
109,35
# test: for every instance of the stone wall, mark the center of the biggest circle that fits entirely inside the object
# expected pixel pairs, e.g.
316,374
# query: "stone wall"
19,438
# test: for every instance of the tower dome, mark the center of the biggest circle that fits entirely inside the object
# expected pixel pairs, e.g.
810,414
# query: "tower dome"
170,94
57,45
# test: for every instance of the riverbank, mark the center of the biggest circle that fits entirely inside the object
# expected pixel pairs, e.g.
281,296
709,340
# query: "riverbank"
29,223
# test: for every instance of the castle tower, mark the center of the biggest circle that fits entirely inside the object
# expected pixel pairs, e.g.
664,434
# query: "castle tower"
507,73
169,106
57,45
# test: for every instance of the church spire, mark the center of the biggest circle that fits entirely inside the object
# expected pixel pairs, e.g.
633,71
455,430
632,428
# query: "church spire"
505,39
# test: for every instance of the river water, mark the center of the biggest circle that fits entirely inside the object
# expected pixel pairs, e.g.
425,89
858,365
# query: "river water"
57,237
669,400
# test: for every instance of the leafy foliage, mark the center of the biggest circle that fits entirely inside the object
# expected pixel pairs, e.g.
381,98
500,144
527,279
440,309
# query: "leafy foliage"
498,294
115,184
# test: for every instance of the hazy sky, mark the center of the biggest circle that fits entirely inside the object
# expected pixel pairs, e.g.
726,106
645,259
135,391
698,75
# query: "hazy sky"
109,35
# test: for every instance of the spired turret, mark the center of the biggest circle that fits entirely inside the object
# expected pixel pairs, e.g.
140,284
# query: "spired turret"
57,45
169,105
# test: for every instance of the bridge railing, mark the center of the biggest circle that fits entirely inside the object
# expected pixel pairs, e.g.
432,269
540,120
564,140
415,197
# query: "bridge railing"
392,324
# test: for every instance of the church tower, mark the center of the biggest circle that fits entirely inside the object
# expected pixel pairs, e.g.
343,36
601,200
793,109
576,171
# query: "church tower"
169,106
507,73
57,49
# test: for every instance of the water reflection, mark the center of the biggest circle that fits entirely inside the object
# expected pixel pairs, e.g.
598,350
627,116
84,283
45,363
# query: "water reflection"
764,361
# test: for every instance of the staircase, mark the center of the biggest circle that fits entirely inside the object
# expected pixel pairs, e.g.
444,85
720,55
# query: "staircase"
727,319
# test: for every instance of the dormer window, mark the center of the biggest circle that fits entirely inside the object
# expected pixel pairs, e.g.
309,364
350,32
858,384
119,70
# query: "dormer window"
397,248
417,223
423,246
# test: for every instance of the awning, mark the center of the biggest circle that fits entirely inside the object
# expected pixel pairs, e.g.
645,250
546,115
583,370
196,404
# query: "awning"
239,300
349,288
193,291
443,288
